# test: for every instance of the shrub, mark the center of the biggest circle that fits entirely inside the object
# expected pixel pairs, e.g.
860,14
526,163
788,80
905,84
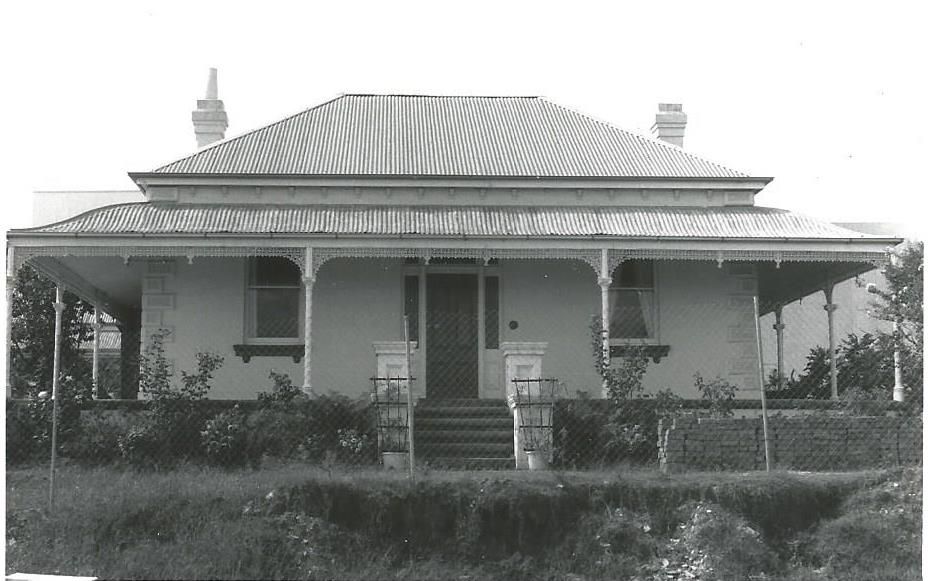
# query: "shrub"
154,373
277,432
171,432
97,441
622,382
594,433
29,426
719,393
143,446
283,392
225,439
326,416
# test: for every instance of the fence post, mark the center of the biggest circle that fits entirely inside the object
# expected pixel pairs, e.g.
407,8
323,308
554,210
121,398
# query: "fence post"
410,412
56,367
760,377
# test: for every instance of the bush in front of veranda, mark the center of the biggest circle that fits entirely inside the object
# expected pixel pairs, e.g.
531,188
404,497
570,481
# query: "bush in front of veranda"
29,423
328,428
591,433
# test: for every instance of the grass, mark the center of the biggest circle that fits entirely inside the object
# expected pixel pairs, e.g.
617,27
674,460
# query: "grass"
299,521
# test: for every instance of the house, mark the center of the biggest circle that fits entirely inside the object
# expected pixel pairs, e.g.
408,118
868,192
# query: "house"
497,225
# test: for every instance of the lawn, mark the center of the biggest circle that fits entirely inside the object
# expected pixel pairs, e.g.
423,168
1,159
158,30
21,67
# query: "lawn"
295,521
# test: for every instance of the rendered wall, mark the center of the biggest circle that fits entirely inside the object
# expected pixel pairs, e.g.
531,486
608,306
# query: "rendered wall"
705,317
203,305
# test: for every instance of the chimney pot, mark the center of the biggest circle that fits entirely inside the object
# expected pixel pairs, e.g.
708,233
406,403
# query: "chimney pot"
210,119
670,123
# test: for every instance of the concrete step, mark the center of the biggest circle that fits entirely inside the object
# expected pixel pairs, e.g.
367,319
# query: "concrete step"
459,403
494,436
462,412
460,423
464,449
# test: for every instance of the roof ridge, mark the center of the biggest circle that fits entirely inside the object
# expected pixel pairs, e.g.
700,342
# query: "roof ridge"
645,138
434,96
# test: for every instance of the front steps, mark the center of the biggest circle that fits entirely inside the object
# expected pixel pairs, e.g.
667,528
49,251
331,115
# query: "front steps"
465,434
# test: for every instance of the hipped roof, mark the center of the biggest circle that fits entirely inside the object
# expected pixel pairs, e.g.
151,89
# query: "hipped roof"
442,136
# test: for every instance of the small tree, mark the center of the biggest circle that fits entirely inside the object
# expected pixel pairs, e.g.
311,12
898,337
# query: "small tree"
624,381
903,302
32,336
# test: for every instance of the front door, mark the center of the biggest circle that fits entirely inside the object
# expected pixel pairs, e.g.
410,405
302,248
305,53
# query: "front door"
451,343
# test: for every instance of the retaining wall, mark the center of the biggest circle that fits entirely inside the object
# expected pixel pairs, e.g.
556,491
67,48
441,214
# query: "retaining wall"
811,442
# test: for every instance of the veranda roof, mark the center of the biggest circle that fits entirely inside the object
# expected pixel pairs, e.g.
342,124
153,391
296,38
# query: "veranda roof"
444,136
739,222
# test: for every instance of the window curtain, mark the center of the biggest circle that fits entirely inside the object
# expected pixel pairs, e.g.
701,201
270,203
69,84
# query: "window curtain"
646,300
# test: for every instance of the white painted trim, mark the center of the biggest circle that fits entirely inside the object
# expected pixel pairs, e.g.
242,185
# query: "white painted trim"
144,180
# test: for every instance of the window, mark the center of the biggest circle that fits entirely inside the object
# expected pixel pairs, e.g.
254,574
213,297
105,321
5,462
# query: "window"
273,305
632,308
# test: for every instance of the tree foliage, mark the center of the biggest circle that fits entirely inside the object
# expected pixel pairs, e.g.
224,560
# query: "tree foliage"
32,336
865,363
903,302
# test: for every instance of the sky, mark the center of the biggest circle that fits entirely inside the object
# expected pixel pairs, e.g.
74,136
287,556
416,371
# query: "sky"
827,98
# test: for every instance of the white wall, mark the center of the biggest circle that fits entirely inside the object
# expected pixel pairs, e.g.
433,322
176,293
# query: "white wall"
354,304
704,317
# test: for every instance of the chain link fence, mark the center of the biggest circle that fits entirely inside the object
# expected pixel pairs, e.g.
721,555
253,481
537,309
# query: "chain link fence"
503,380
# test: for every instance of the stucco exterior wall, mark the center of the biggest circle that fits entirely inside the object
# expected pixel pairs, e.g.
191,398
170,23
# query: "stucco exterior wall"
704,315
354,303
553,301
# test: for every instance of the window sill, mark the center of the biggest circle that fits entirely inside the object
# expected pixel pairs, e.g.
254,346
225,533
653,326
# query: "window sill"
247,351
654,352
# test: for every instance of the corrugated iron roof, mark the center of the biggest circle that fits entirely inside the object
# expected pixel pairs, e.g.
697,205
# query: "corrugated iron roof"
450,221
403,135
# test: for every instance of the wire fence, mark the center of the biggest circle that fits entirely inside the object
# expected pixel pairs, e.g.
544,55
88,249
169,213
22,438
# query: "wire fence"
512,384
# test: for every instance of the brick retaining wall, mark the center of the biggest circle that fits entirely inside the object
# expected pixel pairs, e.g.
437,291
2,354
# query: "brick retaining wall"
811,442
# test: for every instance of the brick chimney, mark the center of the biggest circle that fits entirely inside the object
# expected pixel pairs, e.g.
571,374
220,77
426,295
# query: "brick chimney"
210,120
670,123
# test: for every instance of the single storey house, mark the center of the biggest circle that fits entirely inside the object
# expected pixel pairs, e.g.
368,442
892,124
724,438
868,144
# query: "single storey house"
498,225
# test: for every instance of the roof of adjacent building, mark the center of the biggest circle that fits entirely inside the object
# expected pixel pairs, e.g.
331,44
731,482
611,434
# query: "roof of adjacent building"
449,221
444,136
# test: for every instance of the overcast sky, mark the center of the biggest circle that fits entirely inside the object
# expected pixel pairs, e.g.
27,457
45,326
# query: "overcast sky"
828,98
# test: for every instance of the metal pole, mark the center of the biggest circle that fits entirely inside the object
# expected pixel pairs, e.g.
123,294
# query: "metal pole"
56,365
830,308
898,388
410,413
96,352
760,377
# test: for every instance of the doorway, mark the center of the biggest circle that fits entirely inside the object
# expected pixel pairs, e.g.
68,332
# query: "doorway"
452,328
